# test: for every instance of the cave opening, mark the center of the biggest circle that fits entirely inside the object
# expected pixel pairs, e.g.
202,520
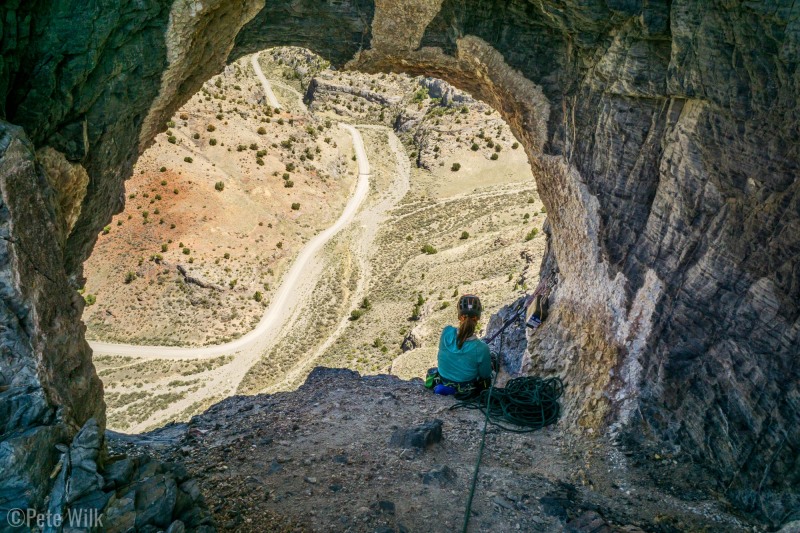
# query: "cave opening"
671,198
220,210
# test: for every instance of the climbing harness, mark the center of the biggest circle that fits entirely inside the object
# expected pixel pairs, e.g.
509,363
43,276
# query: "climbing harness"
461,390
530,403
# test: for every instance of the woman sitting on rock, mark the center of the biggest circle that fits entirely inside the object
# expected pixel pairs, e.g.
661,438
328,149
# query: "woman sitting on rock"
465,364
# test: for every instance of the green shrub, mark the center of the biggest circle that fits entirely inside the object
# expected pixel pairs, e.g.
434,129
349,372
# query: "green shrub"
258,296
90,299
474,147
130,277
429,249
211,127
163,169
186,251
464,235
515,146
289,167
288,184
494,157
106,230
531,234
498,148
212,141
279,245
188,159
171,139
296,206
456,167
355,314
262,130
170,124
420,95
164,248
196,135
220,186
253,146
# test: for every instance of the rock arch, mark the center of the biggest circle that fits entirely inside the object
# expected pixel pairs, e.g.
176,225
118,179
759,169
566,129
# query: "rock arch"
665,139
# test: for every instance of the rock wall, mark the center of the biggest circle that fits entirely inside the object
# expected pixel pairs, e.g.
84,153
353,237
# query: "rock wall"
665,139
48,386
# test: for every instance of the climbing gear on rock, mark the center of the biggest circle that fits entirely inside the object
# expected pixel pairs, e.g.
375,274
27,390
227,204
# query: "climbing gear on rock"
540,310
469,305
461,390
529,402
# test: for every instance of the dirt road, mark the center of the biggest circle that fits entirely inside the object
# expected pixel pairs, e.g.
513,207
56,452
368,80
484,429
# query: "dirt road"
295,289
271,98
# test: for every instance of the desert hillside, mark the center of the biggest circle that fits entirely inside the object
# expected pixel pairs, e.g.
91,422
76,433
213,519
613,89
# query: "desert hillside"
216,210
452,208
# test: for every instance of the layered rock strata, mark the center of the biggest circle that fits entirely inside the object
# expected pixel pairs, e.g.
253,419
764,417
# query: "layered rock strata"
665,139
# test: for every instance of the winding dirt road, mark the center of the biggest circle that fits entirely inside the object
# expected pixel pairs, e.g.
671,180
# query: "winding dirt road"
271,98
293,293
283,303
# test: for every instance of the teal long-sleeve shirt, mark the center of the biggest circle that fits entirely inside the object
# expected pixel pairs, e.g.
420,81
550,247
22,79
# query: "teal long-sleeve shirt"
469,362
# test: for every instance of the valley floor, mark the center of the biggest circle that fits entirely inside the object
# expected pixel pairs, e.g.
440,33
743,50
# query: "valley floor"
370,298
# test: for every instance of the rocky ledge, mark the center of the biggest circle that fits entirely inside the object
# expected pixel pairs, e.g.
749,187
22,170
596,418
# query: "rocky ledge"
375,453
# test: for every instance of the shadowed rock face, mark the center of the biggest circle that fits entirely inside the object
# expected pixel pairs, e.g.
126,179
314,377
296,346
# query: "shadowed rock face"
664,137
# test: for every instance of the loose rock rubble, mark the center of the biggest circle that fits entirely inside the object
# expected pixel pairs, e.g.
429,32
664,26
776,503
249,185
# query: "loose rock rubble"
350,453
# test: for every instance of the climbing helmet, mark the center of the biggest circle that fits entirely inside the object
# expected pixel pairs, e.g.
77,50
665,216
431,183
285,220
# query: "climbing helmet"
470,305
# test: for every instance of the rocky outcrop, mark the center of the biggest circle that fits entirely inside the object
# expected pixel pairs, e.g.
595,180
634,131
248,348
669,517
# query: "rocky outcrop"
69,182
664,135
194,280
48,386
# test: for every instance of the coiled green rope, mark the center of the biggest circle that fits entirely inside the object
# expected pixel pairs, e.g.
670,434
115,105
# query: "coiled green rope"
530,403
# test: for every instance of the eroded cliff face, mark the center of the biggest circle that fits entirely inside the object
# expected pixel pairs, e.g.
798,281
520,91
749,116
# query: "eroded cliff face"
664,136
